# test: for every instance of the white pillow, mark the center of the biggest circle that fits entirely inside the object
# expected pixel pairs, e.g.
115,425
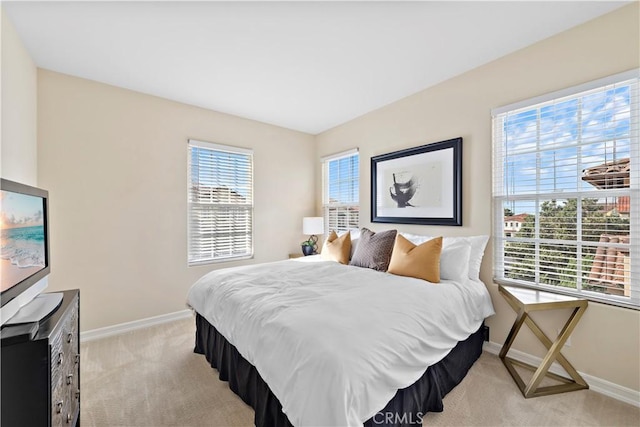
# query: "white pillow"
477,244
417,239
355,238
454,261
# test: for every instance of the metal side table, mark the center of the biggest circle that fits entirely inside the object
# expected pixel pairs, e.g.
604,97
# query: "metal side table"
525,301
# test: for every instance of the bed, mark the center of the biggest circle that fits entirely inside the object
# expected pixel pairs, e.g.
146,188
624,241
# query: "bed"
312,342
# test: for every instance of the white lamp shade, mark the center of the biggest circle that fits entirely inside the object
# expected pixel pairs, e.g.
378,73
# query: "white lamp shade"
312,225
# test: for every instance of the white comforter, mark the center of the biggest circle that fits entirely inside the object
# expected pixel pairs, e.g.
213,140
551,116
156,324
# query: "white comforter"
333,342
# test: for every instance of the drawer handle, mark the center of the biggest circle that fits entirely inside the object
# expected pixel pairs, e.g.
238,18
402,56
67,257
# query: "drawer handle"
69,337
68,418
59,406
60,358
69,378
77,359
78,394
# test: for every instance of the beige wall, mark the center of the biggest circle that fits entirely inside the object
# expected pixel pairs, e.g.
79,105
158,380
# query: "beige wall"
115,164
19,99
606,342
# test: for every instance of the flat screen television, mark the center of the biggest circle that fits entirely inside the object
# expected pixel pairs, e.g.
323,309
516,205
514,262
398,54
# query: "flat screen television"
24,246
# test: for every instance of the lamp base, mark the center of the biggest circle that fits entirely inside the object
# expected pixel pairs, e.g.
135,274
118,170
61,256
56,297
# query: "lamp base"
312,248
307,250
313,238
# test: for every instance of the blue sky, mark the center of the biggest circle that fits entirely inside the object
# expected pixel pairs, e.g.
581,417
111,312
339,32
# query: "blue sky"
215,168
341,174
594,129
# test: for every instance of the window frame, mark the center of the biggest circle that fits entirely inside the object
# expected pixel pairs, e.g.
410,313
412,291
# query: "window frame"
499,196
326,205
251,206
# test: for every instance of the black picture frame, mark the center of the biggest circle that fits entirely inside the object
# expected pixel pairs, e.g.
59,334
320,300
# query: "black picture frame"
420,185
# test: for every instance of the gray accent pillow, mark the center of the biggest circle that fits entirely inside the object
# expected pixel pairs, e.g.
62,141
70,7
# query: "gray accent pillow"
374,249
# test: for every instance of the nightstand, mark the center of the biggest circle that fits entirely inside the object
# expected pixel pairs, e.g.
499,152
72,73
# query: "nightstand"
295,256
524,301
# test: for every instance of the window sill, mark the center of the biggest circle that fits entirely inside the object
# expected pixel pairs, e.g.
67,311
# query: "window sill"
591,296
219,260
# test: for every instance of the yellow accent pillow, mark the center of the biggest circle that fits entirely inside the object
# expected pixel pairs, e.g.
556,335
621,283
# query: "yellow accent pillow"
421,262
337,248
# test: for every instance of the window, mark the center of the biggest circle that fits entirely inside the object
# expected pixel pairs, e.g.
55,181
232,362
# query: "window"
567,165
220,202
341,191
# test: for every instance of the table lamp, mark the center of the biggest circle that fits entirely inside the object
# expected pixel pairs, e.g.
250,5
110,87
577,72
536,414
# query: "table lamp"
312,225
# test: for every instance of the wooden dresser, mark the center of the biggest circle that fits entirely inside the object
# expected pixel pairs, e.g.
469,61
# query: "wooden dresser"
41,376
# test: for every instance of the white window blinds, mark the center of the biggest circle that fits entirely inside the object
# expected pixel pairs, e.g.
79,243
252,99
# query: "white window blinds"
220,202
566,191
341,191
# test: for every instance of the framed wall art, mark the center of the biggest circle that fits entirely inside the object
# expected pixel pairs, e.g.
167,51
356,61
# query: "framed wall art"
420,185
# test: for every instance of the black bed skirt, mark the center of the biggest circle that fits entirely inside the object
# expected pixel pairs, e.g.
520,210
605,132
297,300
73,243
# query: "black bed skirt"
405,409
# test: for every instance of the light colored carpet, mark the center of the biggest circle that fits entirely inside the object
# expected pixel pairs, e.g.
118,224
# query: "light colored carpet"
151,377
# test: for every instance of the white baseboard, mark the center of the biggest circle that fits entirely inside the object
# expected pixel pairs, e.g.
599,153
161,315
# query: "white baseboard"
596,384
121,328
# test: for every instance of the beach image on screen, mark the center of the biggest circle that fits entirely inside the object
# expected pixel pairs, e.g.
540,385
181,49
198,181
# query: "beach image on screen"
22,240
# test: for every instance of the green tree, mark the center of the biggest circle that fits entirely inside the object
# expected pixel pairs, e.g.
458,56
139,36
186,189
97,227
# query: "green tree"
559,221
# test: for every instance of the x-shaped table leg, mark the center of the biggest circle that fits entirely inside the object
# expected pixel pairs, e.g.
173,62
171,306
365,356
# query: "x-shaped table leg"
553,353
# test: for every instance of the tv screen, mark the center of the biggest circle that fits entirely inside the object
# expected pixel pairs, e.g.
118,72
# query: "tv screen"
23,238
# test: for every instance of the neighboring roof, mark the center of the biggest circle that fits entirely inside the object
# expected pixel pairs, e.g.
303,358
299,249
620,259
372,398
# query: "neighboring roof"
610,265
517,218
608,175
217,194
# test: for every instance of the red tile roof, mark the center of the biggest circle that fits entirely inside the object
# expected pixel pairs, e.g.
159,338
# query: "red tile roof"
517,218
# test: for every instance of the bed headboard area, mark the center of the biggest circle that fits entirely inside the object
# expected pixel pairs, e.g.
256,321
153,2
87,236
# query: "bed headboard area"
406,254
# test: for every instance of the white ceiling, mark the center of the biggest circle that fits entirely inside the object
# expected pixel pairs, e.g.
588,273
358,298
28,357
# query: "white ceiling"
307,66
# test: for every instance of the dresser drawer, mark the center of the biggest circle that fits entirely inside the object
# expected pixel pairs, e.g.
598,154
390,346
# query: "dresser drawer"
41,374
65,370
